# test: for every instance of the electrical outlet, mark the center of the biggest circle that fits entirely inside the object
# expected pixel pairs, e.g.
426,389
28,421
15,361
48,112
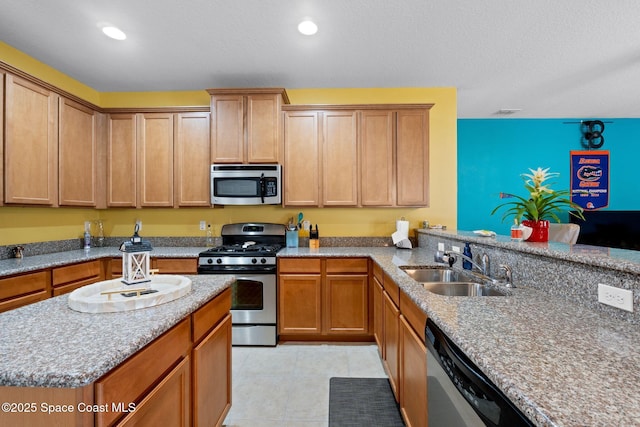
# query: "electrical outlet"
441,246
615,297
203,225
455,249
139,224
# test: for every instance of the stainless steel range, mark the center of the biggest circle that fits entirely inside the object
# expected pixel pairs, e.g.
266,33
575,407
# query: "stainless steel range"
248,251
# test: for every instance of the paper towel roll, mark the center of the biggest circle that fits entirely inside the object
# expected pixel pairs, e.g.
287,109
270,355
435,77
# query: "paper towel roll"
402,231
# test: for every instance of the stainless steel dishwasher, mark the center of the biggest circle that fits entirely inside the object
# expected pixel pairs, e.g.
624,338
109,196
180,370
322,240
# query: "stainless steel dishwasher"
459,394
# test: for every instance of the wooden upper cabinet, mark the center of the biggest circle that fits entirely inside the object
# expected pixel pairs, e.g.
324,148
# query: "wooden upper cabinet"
121,160
412,157
77,154
245,125
376,143
227,129
339,159
31,143
302,159
1,138
155,159
192,160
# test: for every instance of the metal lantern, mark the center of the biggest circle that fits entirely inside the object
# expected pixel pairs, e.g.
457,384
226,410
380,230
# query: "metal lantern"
136,259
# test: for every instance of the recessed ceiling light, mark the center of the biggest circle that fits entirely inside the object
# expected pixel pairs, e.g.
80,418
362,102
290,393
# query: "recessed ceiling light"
308,28
114,32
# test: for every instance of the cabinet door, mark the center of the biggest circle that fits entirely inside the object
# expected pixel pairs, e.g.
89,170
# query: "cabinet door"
377,184
30,144
192,159
121,160
413,377
346,304
392,342
412,151
77,170
378,317
339,159
263,128
300,304
167,404
212,376
2,138
227,129
302,157
155,160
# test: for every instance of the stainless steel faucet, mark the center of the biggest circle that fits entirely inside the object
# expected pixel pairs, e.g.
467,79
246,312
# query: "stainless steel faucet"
508,275
484,268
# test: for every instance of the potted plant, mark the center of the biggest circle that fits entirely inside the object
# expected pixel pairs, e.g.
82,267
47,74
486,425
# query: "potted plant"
542,204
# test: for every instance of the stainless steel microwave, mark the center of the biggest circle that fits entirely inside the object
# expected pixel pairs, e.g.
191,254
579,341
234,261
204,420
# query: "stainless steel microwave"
241,184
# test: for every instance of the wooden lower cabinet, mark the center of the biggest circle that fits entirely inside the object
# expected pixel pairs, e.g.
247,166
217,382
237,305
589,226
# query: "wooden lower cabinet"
391,361
175,265
300,304
66,279
167,404
413,376
23,289
211,377
399,325
378,318
322,298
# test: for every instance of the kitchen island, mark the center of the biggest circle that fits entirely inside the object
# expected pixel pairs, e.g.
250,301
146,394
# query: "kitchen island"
83,364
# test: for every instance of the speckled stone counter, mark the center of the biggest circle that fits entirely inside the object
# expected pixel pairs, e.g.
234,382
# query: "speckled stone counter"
12,266
561,363
46,344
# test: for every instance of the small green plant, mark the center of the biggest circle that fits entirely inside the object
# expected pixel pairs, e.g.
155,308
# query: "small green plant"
542,203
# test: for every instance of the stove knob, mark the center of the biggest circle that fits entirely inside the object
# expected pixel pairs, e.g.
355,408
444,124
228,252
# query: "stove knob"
219,260
254,261
264,261
210,261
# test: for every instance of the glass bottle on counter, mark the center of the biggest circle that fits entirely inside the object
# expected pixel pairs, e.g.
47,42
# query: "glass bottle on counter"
209,242
517,231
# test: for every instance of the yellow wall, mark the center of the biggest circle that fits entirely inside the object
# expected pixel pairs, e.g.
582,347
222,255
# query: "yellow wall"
27,225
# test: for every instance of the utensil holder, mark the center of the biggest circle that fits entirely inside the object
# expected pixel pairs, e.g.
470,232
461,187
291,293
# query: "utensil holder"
292,238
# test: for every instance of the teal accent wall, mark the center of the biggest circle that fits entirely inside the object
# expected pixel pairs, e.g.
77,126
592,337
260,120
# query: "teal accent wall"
492,153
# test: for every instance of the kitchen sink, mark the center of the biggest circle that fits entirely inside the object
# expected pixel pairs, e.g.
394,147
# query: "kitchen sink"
450,282
462,289
437,274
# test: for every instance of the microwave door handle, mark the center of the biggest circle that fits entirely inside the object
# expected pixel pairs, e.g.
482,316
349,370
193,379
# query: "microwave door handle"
262,188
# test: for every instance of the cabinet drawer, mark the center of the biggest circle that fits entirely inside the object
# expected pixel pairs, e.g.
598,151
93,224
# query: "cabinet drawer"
175,265
16,302
347,265
378,273
24,284
85,272
414,315
129,381
210,314
299,265
392,289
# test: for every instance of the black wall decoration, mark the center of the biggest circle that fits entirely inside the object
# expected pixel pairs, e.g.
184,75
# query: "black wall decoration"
592,131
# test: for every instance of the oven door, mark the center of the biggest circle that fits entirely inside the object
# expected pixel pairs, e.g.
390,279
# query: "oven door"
253,299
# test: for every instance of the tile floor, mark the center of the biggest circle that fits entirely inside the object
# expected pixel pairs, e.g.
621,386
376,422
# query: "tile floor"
288,385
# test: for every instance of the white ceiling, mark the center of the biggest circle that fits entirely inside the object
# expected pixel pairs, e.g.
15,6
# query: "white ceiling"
550,58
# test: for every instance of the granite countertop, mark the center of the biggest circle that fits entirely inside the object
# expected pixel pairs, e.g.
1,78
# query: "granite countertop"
12,266
560,363
46,344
